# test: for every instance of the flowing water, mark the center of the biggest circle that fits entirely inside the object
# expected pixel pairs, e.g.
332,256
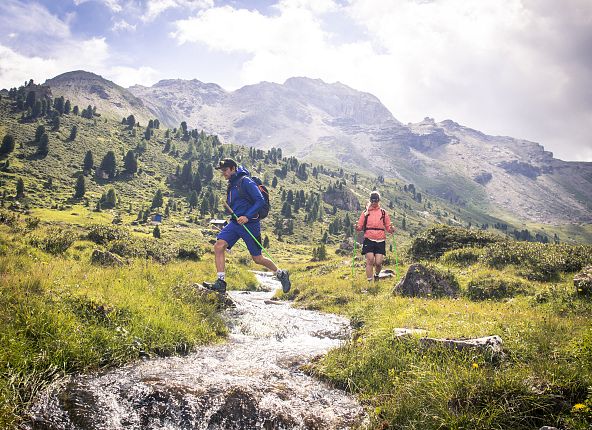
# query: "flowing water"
251,382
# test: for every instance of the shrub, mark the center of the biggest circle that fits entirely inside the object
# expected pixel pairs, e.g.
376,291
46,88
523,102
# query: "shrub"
492,286
103,234
435,241
55,241
538,261
462,257
190,251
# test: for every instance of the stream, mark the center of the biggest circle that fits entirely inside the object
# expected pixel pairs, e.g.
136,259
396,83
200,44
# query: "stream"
252,381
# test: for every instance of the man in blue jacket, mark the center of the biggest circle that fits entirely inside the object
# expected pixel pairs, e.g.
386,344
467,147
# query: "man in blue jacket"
245,199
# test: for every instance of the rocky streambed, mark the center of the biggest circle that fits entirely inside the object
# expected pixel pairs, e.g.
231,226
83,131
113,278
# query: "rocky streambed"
252,381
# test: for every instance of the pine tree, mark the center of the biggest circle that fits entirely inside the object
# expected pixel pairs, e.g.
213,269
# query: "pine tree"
157,200
67,107
20,188
55,123
131,121
109,164
39,132
7,144
156,232
266,242
196,186
193,200
73,133
130,162
43,147
80,188
274,182
88,161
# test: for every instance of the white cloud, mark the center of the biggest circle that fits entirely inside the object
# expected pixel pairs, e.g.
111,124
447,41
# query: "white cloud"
156,7
123,25
114,5
128,76
20,18
509,68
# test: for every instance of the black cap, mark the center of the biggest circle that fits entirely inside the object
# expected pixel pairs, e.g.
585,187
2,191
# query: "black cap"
227,162
375,196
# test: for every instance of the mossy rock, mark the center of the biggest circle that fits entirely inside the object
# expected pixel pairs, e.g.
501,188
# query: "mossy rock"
423,281
583,282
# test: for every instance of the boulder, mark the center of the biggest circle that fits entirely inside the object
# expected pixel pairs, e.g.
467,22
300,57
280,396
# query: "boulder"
422,281
583,282
106,258
224,300
492,344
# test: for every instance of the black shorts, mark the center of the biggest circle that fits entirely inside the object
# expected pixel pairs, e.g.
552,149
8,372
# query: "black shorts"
373,247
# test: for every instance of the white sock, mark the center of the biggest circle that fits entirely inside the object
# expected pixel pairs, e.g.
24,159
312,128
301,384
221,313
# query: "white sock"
370,279
221,275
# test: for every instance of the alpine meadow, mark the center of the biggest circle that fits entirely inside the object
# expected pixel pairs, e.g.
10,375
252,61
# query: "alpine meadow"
107,198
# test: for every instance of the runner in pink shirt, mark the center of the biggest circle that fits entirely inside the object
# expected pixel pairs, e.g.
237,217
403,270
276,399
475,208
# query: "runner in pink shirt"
375,222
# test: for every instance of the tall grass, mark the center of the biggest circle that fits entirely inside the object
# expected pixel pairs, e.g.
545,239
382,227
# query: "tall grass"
59,314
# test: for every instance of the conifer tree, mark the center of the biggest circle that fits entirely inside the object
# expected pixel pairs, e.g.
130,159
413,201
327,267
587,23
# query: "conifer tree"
55,123
88,161
39,132
156,232
73,133
7,144
196,186
80,188
193,200
76,110
109,164
43,147
130,162
20,188
157,200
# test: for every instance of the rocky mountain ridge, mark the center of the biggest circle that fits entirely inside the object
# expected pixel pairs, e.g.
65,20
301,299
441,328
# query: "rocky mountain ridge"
332,123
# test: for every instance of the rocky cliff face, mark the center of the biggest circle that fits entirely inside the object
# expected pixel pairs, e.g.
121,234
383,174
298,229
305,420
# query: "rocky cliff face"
333,123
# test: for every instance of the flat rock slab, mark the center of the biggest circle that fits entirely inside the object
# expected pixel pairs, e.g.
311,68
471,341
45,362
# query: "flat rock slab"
488,343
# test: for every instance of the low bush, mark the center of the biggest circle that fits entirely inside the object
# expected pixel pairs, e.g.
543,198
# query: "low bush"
462,257
55,240
491,286
538,261
104,233
190,251
435,241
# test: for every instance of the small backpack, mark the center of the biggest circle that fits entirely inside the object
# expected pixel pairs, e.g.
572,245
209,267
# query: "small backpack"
382,218
264,211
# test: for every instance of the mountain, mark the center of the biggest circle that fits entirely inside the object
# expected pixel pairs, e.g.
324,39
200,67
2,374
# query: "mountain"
87,89
338,125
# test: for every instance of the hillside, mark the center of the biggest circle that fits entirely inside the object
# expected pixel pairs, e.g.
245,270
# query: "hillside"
304,207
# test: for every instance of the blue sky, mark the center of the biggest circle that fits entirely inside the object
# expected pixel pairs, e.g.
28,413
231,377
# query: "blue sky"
519,68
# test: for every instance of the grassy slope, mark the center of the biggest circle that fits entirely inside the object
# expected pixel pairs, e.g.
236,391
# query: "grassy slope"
543,378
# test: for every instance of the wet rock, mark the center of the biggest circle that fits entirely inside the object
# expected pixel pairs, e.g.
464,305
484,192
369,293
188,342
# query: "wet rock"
422,281
225,301
583,282
492,344
548,428
106,258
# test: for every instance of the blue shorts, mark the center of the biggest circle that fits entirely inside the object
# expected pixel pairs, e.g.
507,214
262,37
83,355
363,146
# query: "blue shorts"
234,231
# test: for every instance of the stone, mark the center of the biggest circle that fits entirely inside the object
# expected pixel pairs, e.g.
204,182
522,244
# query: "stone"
491,344
422,281
386,273
583,282
407,332
106,258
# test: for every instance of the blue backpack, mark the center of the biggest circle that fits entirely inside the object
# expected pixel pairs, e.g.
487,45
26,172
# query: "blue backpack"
264,211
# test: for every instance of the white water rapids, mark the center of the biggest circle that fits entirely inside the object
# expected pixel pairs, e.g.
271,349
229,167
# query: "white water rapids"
251,382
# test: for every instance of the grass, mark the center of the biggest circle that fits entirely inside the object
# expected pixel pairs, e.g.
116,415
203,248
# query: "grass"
61,314
544,372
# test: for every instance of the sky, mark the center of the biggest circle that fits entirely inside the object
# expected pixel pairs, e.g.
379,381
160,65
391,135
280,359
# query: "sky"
519,68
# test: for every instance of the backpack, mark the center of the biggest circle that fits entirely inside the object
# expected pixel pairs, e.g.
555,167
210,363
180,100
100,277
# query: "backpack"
382,218
264,211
